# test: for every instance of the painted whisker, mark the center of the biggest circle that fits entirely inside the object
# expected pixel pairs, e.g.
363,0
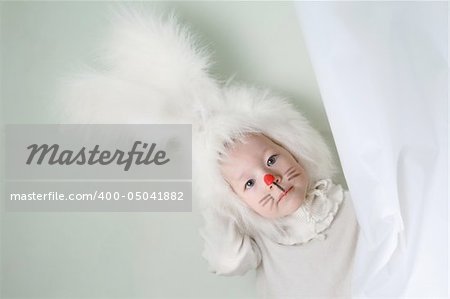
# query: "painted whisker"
272,202
293,176
264,198
268,199
289,170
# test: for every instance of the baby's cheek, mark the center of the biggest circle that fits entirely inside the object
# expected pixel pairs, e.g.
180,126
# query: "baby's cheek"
252,204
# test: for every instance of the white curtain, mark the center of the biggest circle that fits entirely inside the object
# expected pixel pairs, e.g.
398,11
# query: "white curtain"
382,71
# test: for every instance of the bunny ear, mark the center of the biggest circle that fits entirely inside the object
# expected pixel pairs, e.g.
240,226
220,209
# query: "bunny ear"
153,72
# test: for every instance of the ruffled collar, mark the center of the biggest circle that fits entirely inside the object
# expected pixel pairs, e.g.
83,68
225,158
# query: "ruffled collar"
314,216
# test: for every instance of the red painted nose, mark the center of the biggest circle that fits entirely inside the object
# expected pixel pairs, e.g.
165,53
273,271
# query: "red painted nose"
268,179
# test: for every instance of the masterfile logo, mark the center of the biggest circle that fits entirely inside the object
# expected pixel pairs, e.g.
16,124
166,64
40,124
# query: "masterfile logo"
122,168
53,155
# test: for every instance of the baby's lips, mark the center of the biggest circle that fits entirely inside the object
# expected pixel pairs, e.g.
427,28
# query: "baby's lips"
286,192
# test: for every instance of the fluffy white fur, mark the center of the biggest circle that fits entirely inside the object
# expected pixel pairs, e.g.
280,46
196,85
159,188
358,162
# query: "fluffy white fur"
155,73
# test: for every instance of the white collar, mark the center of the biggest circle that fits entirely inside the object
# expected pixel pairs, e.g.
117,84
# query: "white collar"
314,216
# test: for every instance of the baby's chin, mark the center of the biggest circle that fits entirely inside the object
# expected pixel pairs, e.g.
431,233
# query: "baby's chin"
287,206
290,205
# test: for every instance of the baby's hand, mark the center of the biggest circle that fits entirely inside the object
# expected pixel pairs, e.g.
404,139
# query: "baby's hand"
228,251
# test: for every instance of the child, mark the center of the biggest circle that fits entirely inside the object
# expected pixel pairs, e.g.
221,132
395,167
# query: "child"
270,203
261,173
292,257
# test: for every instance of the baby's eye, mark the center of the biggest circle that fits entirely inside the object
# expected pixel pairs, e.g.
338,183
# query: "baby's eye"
249,184
272,160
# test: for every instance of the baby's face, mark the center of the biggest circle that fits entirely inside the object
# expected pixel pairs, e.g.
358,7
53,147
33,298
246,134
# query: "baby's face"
265,176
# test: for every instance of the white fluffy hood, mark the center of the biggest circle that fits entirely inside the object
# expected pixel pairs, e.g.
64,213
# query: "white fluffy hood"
153,72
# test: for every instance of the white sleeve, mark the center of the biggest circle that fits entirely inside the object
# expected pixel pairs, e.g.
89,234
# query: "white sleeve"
227,250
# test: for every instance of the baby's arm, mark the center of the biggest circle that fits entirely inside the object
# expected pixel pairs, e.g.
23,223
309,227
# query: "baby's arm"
228,251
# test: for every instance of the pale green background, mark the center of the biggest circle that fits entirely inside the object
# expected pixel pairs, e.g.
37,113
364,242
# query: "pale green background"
131,255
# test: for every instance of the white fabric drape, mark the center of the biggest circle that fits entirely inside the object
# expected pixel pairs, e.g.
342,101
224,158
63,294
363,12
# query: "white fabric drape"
382,71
